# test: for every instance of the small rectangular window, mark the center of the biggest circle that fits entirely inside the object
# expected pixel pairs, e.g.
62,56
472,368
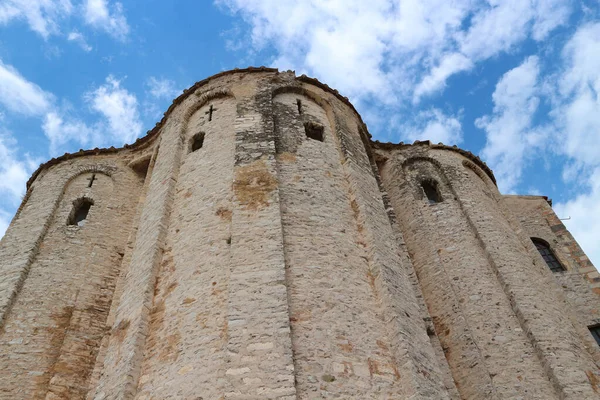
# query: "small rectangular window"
432,193
196,142
595,331
79,213
314,131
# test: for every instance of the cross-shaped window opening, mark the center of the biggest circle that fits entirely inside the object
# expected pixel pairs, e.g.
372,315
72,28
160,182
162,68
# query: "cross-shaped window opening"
210,112
91,179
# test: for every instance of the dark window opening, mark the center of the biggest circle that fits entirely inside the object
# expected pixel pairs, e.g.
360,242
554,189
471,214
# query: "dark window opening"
91,179
595,331
197,141
81,208
141,165
299,104
548,255
314,131
430,188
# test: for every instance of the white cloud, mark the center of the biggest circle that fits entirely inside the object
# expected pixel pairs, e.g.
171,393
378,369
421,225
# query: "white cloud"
80,40
120,109
389,50
161,88
5,219
573,130
13,171
548,15
119,121
43,16
433,125
46,16
111,19
577,111
584,211
19,95
449,65
63,130
577,119
510,136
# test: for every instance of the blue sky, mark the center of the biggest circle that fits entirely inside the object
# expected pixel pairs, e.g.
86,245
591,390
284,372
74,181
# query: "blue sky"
515,81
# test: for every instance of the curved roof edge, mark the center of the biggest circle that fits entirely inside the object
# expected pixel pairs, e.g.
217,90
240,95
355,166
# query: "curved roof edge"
152,132
178,100
467,154
187,92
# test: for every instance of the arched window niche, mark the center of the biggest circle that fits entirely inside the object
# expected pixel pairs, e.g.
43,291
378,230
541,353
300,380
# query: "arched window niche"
431,191
80,211
548,255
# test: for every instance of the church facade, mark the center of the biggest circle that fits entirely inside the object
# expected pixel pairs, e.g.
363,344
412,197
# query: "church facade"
257,244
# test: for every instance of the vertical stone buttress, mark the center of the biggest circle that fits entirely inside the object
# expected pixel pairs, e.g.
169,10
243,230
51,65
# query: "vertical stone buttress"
124,353
356,328
503,332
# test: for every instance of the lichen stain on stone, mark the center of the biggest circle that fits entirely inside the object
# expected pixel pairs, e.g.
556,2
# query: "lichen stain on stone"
57,333
170,289
301,316
188,300
120,331
224,332
224,213
169,348
594,381
253,185
247,89
157,314
382,345
347,346
286,156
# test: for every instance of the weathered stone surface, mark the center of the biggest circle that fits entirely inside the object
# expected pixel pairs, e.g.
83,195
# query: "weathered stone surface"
257,245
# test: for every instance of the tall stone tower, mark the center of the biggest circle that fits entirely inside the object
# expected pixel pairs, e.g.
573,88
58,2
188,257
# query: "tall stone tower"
256,244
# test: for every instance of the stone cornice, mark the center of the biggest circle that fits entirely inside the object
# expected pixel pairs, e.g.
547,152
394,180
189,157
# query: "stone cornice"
467,154
151,134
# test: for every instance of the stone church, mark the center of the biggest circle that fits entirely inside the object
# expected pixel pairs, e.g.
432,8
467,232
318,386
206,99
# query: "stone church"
257,244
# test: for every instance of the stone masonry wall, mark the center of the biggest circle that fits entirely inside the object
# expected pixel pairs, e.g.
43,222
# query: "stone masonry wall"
256,245
580,281
468,251
52,331
336,269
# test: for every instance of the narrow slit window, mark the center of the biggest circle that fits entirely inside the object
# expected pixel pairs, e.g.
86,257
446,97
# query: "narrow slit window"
595,331
432,193
81,209
314,131
196,142
548,255
299,104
